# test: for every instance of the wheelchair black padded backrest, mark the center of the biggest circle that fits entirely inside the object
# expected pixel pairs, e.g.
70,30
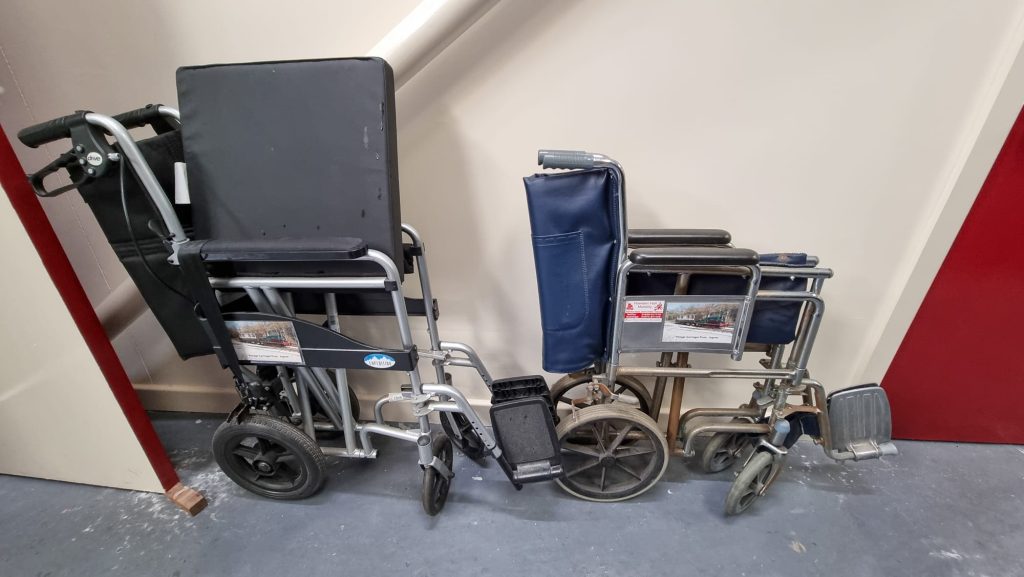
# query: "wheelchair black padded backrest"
296,149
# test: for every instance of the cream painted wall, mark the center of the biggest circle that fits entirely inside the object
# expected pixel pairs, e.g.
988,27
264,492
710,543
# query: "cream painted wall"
831,128
58,418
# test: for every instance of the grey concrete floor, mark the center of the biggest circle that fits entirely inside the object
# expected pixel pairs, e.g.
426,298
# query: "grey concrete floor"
936,509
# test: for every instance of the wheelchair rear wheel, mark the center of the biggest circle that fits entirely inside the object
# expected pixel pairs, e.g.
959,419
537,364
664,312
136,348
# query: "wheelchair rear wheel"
752,482
436,485
269,457
631,392
610,453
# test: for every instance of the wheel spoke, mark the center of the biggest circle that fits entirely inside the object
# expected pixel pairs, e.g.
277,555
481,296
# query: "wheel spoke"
583,467
251,473
720,458
604,472
599,435
620,437
262,446
287,457
580,449
633,451
247,453
746,498
629,471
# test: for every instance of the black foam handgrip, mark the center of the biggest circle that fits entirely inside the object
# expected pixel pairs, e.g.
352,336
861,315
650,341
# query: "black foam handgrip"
565,159
49,131
140,117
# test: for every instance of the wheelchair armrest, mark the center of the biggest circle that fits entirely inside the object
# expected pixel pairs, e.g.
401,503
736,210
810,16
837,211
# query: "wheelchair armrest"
678,236
284,250
694,256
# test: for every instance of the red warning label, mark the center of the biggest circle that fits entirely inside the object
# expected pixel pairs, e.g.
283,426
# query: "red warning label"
644,311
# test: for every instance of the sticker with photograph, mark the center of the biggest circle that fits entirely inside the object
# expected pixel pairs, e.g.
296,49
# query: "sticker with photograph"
700,322
265,341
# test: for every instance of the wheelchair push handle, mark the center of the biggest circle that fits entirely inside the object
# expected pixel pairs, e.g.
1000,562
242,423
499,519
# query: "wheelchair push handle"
154,115
566,159
52,130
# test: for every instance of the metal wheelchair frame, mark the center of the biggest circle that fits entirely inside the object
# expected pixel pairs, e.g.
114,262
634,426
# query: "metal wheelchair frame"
767,416
269,296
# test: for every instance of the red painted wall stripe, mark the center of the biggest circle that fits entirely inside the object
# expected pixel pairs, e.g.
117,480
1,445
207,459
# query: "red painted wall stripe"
956,375
30,212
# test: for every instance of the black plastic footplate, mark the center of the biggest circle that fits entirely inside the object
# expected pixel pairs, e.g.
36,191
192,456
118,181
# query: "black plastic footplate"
524,430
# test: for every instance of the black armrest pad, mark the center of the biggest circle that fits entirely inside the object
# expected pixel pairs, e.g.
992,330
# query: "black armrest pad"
678,236
694,256
284,250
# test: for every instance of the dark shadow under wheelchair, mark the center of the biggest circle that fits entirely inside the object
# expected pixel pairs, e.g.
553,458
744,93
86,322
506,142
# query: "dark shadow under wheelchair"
241,257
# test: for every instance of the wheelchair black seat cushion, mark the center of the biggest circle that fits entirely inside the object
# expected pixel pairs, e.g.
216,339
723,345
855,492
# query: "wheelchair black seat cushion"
297,149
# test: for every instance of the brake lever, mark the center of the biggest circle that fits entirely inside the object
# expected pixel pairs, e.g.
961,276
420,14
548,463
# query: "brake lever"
67,160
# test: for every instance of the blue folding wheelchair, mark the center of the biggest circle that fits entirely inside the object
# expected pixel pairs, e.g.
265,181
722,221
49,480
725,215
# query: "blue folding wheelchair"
285,217
606,290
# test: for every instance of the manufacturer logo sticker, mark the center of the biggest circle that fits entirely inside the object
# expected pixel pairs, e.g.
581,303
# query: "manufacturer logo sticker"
379,361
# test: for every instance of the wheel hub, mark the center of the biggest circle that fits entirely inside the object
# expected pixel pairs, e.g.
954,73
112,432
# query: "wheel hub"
264,467
608,460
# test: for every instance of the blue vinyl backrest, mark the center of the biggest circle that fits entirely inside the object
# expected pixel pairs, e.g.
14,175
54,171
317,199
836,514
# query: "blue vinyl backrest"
573,217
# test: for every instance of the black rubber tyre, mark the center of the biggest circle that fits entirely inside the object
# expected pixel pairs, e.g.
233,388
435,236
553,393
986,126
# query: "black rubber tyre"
436,485
721,452
562,392
610,453
458,428
269,457
751,482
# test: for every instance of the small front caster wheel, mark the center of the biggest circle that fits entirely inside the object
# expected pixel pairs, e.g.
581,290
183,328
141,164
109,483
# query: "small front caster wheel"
436,485
752,482
721,452
269,457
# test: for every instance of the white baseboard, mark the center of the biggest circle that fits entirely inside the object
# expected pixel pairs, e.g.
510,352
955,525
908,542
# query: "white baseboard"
187,398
